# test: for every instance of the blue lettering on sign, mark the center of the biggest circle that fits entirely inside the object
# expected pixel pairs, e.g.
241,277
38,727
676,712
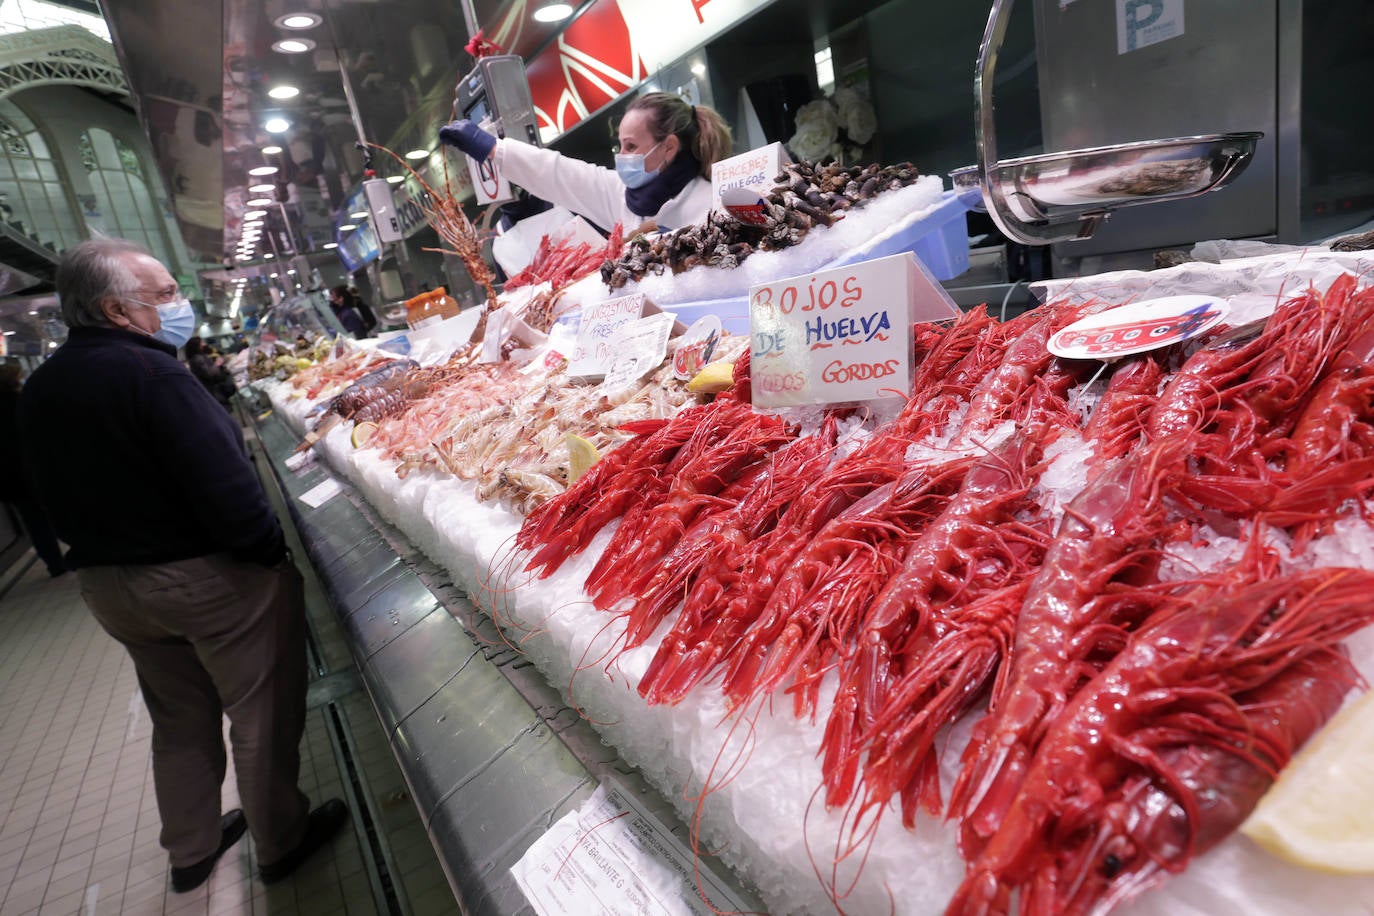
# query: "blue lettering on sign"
849,329
1140,15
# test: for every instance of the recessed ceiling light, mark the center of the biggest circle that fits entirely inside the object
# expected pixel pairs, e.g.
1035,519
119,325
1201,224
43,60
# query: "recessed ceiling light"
283,92
292,271
293,46
395,179
263,170
361,214
33,311
259,202
9,333
418,154
274,276
699,69
553,12
271,150
330,245
269,255
255,214
297,21
276,125
346,227
261,188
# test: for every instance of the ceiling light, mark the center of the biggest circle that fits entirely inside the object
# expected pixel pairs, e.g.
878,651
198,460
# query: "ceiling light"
271,150
395,179
346,227
418,154
255,214
330,245
261,188
263,170
293,46
274,276
33,311
245,257
269,255
259,202
699,69
297,21
8,334
361,214
553,12
291,272
276,125
52,344
283,92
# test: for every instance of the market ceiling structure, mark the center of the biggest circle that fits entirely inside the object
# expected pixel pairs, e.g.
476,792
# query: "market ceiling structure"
246,107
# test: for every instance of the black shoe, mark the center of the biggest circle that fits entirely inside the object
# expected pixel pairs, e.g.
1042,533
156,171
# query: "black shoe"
325,821
231,827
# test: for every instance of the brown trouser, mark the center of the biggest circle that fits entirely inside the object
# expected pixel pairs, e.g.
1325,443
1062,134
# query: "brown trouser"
211,636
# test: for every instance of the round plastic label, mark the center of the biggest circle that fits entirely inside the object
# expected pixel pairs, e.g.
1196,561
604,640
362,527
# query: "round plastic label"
1137,327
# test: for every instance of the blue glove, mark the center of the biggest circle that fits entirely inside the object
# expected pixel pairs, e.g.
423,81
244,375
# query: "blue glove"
469,138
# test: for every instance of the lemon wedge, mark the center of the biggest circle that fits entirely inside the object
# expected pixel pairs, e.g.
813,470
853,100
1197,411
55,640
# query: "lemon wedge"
712,378
1320,812
581,455
362,432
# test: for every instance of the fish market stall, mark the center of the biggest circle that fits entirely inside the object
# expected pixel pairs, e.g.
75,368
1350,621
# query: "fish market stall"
868,655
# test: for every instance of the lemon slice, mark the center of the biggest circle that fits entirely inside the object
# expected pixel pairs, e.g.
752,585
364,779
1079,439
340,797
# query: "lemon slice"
581,455
1320,812
713,378
362,432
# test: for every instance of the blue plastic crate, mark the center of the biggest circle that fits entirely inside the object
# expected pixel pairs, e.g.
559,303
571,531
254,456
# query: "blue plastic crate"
939,239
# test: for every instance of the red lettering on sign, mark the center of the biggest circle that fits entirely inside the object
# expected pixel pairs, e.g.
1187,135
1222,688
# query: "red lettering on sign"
696,8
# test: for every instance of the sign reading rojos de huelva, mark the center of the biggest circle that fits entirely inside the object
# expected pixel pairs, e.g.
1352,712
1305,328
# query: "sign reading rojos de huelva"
841,335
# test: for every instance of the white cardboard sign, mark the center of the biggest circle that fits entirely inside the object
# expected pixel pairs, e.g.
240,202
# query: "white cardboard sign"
752,171
840,335
639,348
594,353
488,184
611,856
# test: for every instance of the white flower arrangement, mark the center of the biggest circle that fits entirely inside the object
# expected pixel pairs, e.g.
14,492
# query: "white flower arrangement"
834,127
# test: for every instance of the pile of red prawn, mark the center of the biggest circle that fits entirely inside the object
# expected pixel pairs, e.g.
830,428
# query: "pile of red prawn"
1126,721
560,263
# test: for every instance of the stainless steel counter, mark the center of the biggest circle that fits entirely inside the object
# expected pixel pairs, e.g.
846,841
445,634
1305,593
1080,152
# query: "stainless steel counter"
491,753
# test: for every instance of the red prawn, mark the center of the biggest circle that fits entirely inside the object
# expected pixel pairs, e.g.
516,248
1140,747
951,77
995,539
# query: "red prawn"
1167,750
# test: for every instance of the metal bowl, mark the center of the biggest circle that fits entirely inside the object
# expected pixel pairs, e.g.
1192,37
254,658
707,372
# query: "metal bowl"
1061,187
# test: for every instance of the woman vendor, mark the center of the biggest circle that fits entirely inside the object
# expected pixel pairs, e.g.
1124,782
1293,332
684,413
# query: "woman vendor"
662,165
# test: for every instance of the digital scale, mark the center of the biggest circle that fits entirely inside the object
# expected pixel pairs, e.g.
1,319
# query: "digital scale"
496,96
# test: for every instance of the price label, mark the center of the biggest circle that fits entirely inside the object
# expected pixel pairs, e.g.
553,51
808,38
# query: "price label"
840,335
639,348
747,176
322,493
498,325
695,348
593,353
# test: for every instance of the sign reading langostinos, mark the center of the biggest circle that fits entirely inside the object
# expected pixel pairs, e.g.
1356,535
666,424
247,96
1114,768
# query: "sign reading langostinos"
593,354
840,335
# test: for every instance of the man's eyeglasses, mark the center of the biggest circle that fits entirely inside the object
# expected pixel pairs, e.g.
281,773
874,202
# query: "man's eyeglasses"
162,296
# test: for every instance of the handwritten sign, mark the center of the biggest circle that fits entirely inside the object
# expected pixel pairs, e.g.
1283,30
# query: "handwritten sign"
612,856
639,348
753,171
495,334
593,352
841,335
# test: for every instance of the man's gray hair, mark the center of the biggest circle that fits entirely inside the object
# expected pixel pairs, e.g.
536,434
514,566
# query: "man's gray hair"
90,272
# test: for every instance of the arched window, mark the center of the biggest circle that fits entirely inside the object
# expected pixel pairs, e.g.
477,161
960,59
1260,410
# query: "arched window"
31,195
123,201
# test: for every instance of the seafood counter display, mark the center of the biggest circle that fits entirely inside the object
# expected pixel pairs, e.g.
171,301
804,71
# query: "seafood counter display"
1034,640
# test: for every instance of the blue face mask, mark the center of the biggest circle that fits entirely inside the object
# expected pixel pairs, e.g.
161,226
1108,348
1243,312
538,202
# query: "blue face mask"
630,168
177,319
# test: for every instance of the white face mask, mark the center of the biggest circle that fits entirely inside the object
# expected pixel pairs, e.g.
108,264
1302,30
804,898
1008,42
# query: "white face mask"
177,320
630,168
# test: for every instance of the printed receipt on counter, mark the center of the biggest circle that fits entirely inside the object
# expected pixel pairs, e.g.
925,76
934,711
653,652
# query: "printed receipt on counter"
611,856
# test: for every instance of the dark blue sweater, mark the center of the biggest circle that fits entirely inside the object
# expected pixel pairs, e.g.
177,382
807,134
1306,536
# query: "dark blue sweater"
135,462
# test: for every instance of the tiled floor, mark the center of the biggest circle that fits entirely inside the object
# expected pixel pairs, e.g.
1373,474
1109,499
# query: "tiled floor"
78,821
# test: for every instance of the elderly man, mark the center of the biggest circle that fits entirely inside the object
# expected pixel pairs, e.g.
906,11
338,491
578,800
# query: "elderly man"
180,558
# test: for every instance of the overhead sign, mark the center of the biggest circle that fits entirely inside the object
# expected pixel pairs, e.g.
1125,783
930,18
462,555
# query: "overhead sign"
840,335
610,48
